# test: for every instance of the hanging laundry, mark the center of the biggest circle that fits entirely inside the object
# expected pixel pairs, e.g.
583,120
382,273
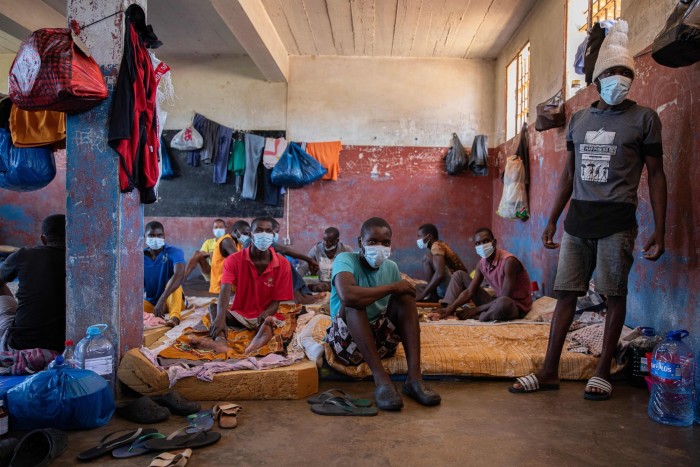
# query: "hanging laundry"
236,161
36,128
223,149
274,148
164,93
254,146
328,154
209,130
271,192
133,127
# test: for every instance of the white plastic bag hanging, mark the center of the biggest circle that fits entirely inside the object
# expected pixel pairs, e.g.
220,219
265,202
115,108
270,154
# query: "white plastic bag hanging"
187,139
513,203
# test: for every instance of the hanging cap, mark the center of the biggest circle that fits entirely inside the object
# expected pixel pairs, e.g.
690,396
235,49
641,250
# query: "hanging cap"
648,331
677,335
613,51
96,329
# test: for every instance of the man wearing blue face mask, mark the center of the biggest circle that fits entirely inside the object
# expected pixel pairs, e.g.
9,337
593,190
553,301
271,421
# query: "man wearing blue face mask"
372,310
164,270
202,257
608,146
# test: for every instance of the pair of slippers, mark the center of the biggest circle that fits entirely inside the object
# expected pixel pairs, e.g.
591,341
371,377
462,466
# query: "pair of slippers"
36,449
530,383
147,410
336,402
226,415
131,443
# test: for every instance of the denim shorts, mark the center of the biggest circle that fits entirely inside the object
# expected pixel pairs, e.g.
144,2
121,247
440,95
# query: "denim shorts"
610,257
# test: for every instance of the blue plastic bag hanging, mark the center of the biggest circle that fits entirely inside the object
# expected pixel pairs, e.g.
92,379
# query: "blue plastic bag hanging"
63,397
24,169
296,168
166,165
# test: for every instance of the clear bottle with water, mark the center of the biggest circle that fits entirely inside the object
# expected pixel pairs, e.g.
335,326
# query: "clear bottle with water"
96,352
673,377
69,354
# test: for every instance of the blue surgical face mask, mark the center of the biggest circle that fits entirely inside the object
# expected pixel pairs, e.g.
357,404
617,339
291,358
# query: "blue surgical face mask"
243,239
276,238
485,250
614,89
376,254
218,233
155,243
263,240
421,244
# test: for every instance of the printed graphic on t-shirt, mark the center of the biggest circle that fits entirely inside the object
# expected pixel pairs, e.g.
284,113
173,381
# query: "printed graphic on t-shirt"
596,151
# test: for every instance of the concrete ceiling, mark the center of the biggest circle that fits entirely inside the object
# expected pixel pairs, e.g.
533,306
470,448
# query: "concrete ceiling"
397,28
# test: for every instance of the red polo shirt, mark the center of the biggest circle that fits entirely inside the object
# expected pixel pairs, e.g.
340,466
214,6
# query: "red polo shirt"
254,291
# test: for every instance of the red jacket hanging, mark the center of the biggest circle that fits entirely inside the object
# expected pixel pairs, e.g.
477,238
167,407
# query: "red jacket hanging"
133,130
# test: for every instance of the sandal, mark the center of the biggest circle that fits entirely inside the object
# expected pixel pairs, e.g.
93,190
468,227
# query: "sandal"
112,441
339,406
598,383
530,383
39,448
321,398
136,448
166,459
181,439
226,414
202,420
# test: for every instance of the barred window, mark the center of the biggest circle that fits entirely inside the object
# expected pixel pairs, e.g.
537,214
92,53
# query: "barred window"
518,91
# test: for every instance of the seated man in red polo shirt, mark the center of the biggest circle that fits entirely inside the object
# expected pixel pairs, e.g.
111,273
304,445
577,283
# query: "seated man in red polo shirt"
262,279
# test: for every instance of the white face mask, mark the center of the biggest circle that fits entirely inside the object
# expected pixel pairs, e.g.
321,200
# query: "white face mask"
155,243
243,239
276,238
376,254
485,250
614,89
263,240
421,244
331,248
218,233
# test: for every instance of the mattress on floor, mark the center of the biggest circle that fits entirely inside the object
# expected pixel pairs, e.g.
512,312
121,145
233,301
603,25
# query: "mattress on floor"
464,349
290,382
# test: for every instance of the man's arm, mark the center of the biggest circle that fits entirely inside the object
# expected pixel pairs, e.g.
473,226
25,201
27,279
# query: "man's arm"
438,276
170,287
564,190
218,325
270,310
466,294
283,250
194,261
353,296
513,267
227,247
657,196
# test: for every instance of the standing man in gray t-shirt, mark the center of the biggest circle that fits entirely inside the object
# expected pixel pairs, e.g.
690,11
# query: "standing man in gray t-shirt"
608,145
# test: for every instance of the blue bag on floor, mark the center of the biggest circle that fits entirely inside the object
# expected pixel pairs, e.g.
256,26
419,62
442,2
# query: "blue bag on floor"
64,397
24,169
296,168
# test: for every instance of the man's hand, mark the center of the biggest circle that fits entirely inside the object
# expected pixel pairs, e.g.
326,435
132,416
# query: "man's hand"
313,267
159,309
654,248
265,314
548,236
217,328
403,287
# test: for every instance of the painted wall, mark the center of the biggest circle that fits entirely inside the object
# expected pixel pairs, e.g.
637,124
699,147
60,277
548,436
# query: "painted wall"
661,294
389,101
227,89
5,65
646,19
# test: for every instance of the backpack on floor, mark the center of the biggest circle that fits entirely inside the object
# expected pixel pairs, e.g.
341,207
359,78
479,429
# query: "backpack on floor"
678,43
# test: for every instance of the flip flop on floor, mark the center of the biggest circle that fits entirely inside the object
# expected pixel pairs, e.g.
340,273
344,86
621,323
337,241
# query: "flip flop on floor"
112,441
166,459
181,439
530,383
202,420
137,448
321,398
340,407
226,414
598,383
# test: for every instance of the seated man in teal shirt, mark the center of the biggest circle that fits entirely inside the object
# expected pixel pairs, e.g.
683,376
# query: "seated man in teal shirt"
372,310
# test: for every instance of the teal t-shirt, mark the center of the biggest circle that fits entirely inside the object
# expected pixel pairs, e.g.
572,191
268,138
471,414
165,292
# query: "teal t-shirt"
388,273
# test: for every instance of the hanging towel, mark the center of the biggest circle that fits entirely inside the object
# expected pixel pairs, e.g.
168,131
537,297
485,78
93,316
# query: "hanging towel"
479,157
254,146
221,154
36,128
274,148
328,154
236,160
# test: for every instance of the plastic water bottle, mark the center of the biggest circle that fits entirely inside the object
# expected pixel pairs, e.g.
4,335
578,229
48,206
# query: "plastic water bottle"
95,352
638,349
69,354
672,374
57,362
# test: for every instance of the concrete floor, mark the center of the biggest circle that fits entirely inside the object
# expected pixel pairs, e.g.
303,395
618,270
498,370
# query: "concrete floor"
478,423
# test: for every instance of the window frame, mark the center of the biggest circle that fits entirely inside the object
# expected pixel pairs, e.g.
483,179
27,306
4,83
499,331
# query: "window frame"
522,96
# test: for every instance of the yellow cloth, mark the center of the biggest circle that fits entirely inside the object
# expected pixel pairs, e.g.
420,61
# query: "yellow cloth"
36,128
217,264
208,246
174,304
328,154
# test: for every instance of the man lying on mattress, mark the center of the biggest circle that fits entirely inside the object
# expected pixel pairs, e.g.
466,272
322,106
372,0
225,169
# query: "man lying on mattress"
503,272
262,279
372,310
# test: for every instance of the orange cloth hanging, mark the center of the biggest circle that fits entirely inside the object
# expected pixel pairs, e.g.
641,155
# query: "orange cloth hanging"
36,128
328,154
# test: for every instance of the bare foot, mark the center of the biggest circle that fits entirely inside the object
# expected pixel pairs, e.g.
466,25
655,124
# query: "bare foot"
204,343
263,336
172,322
313,299
467,313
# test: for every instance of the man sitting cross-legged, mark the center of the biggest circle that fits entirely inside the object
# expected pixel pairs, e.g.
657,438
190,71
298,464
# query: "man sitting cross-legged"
504,273
372,310
163,273
262,279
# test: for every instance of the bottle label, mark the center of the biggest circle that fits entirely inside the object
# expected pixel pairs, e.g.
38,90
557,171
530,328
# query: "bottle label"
100,365
644,365
666,370
4,425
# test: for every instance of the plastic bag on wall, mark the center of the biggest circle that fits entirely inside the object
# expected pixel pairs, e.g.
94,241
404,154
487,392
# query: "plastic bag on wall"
24,169
513,203
296,168
678,43
187,139
51,72
456,160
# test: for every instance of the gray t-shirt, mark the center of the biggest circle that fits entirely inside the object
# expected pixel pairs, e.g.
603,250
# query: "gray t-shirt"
609,148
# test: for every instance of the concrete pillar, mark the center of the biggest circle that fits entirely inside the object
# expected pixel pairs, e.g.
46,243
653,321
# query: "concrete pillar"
104,236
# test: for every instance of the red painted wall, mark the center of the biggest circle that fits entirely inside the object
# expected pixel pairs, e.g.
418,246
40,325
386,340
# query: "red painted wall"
662,294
